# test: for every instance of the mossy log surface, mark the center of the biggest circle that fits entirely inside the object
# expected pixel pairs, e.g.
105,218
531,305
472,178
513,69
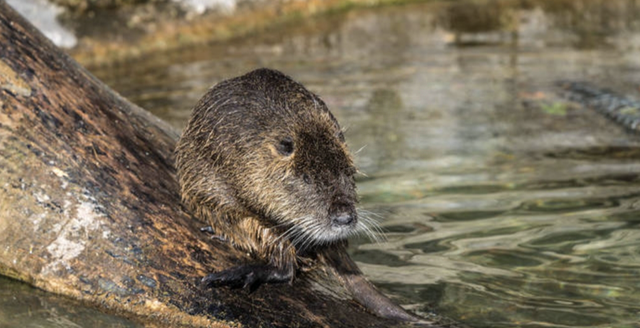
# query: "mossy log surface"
89,205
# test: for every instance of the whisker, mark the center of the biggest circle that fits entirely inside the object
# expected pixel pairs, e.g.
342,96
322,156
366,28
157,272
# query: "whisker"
311,236
365,228
370,227
284,235
291,231
369,213
294,239
359,150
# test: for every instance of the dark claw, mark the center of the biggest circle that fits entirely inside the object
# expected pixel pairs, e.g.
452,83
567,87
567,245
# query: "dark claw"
209,230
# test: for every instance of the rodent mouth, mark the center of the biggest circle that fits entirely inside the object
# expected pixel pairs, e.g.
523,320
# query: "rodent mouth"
334,232
314,235
342,232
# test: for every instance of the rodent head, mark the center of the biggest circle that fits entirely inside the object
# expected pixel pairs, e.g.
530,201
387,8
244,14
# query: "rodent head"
261,143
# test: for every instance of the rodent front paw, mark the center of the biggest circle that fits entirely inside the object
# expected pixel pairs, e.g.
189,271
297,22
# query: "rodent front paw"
247,276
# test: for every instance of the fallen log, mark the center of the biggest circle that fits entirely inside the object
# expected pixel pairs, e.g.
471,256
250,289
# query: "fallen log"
89,206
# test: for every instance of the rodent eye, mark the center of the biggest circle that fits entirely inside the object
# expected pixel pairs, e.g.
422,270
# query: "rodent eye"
285,146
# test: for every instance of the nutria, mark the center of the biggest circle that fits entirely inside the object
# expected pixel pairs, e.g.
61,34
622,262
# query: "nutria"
265,163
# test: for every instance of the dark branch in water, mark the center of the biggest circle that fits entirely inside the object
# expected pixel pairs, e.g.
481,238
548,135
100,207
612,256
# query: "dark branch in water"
620,109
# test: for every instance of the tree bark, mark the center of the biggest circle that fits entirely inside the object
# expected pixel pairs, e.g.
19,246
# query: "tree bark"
89,205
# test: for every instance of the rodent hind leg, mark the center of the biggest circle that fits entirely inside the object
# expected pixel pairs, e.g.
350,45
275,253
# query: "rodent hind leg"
249,276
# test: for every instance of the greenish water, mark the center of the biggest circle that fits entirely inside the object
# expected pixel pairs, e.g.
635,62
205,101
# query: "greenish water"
26,307
504,205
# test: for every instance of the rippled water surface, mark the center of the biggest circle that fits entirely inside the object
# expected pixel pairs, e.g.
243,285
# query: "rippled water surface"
26,307
504,204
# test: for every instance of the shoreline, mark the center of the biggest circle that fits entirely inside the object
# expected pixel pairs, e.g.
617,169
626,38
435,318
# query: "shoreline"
212,27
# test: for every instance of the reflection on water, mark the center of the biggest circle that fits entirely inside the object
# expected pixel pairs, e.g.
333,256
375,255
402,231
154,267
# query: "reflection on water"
504,204
24,306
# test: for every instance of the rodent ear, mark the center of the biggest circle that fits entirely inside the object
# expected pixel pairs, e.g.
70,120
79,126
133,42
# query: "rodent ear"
285,147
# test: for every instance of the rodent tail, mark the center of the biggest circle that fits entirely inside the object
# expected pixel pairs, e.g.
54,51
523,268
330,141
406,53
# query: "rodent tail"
364,291
369,296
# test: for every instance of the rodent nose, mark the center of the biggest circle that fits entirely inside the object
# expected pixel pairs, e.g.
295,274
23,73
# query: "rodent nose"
343,219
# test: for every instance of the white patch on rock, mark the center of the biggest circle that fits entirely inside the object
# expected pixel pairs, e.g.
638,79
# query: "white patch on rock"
36,221
41,197
72,236
62,175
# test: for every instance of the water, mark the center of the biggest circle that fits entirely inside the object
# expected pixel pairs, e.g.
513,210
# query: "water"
43,15
504,205
25,306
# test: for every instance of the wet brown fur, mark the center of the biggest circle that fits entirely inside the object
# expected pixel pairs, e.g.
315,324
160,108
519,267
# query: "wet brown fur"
238,172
